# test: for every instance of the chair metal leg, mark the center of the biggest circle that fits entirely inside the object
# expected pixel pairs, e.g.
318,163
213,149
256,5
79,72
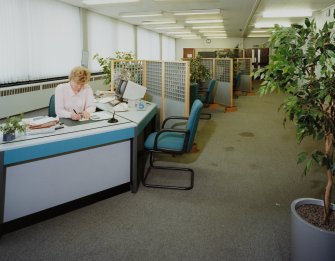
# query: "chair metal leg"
152,166
208,116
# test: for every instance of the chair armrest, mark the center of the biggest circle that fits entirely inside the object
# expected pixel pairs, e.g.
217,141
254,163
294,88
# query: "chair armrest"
186,132
173,118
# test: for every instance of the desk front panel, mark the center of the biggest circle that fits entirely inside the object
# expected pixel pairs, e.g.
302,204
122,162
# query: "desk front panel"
41,184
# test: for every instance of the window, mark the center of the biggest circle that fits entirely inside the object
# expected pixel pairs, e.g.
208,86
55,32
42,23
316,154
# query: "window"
168,48
39,39
148,45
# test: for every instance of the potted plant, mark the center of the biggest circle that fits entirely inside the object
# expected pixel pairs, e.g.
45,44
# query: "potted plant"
11,126
199,72
105,63
302,66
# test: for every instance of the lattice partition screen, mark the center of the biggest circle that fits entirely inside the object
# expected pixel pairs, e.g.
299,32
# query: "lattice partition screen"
224,77
167,83
154,77
127,70
245,68
209,63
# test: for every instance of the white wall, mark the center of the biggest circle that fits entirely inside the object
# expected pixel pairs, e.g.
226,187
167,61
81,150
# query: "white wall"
201,43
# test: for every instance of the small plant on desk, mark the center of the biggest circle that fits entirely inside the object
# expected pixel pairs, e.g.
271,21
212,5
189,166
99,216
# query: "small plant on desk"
12,125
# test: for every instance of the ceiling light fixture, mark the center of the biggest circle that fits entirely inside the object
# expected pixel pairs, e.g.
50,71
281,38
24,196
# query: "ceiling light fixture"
198,12
141,14
102,2
169,27
258,35
181,32
158,22
208,26
209,21
217,37
191,38
271,24
212,31
288,13
259,31
211,35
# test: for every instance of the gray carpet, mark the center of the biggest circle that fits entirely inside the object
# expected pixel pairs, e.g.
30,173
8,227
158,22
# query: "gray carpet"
245,179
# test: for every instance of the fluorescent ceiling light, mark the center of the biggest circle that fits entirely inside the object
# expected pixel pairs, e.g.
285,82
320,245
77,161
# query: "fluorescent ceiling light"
180,32
211,35
169,27
259,35
217,37
288,13
202,21
198,12
102,2
141,14
271,24
158,22
259,31
186,35
191,38
212,31
208,26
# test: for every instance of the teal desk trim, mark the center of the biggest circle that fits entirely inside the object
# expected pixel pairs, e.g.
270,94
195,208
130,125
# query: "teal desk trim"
58,147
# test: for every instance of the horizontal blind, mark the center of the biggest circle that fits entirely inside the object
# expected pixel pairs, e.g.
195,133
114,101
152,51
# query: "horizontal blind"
39,39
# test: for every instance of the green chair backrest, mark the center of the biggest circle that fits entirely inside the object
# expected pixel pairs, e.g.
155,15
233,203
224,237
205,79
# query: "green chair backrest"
52,110
192,123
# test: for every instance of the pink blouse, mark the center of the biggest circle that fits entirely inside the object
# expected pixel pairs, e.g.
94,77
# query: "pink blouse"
66,100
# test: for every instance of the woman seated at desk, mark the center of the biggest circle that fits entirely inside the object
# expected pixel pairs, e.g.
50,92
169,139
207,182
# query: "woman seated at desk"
75,99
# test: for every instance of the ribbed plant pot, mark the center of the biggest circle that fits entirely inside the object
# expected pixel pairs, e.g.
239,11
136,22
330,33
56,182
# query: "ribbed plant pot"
8,137
309,242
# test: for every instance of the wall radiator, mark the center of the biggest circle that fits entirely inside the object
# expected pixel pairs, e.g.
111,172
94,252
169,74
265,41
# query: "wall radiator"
29,97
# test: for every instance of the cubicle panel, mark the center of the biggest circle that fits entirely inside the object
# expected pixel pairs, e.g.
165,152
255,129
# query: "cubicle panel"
176,91
244,68
154,78
127,70
210,65
224,77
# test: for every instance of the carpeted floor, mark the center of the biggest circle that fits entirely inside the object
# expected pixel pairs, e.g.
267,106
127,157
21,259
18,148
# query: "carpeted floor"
239,209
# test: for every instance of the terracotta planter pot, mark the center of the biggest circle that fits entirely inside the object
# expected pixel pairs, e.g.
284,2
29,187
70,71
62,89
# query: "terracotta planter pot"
8,137
309,242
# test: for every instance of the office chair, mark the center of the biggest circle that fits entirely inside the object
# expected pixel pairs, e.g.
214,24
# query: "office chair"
52,110
173,141
205,97
194,89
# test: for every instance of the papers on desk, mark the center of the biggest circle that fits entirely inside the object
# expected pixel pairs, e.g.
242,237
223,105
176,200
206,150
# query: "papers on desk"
41,124
105,99
101,115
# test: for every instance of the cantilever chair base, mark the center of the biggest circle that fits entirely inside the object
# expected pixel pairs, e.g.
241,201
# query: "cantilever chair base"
205,116
152,166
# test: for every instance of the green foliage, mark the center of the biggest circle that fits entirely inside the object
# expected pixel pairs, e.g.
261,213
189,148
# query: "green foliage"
13,124
105,63
199,72
302,66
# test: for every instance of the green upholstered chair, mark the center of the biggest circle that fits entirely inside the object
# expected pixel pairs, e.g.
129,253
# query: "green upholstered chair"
52,110
173,141
206,97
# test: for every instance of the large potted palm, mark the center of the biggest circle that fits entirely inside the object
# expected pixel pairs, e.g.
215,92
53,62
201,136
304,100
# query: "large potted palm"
302,66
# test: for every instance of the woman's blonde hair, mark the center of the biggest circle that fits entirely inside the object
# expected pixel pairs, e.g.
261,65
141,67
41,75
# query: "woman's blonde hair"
80,75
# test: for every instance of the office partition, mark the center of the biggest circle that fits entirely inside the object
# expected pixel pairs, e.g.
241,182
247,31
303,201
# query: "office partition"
224,76
167,83
244,68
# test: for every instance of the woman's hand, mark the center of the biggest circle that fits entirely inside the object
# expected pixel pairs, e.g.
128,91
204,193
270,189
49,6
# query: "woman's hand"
75,116
86,115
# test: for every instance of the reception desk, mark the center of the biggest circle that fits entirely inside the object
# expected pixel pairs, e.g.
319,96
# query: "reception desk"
44,175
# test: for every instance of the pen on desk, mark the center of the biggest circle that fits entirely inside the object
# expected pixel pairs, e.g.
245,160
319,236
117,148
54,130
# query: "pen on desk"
59,127
75,111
